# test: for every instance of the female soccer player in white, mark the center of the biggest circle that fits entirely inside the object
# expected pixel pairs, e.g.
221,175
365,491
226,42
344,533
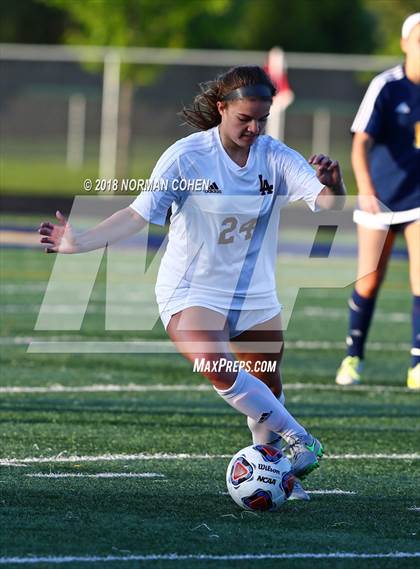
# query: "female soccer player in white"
386,164
216,289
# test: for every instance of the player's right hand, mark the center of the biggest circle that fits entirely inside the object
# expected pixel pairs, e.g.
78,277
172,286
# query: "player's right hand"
369,203
59,237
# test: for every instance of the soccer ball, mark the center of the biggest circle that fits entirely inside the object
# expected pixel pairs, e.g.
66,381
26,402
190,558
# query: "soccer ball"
259,477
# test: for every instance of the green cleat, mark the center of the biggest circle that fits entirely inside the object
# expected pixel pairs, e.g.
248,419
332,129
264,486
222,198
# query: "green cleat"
304,454
413,377
349,372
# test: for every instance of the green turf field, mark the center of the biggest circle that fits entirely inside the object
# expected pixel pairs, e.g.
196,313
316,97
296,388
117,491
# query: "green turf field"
165,451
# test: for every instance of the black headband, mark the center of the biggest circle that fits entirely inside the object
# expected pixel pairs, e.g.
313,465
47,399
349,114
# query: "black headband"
259,91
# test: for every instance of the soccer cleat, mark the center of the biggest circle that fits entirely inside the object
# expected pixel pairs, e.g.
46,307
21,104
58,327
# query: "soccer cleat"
413,377
349,372
304,454
299,493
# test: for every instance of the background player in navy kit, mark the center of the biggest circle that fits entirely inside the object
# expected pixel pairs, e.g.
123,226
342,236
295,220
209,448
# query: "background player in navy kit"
386,163
230,114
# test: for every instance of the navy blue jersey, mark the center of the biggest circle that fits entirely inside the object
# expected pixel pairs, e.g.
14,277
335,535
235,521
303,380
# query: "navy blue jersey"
390,113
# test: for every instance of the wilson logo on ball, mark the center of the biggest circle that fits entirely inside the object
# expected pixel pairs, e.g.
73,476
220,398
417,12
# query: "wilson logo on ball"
241,471
269,453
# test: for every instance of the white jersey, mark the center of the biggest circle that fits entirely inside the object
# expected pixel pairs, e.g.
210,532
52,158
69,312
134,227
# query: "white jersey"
223,238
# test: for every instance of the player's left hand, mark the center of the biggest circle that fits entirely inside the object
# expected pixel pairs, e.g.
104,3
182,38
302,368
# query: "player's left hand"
327,170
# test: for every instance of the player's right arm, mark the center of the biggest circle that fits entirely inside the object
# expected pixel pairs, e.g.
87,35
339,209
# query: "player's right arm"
60,238
367,197
148,207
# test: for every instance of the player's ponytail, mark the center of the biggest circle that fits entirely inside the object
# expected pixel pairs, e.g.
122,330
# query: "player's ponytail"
203,113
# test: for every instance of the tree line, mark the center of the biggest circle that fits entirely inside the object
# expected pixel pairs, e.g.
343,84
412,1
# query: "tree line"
336,26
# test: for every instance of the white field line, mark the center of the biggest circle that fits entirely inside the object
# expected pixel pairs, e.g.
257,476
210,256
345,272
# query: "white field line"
201,387
98,475
100,388
41,287
58,309
321,492
61,458
22,288
132,343
327,345
96,307
327,492
374,456
204,557
342,313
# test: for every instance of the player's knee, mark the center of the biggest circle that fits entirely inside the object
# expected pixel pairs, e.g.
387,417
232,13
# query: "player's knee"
415,281
368,286
273,382
214,368
276,391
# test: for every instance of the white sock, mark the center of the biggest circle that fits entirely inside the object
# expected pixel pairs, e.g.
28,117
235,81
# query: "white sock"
263,436
253,398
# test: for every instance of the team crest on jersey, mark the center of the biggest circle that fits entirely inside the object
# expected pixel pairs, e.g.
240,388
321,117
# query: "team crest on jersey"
269,453
241,470
265,187
213,189
403,109
260,500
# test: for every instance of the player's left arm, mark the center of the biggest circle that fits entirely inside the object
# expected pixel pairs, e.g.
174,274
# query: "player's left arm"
328,173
